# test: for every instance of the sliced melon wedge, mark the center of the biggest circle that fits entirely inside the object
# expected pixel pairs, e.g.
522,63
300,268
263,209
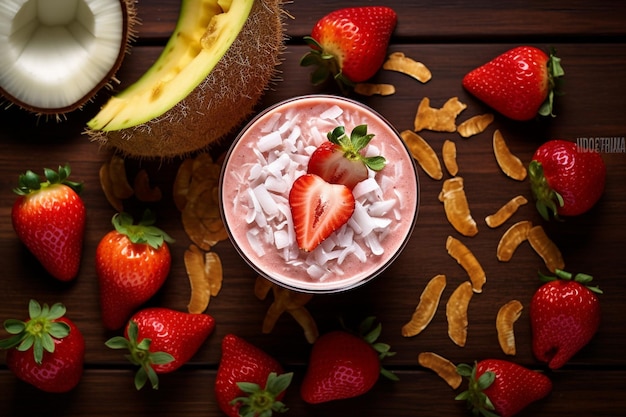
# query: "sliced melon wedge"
203,34
218,62
55,55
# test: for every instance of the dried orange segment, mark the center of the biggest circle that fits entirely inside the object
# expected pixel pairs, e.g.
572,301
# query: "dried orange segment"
545,248
399,62
505,319
182,182
119,180
456,207
371,89
423,154
456,313
511,239
200,286
475,125
214,272
107,187
439,120
442,367
506,211
510,164
425,310
292,302
448,153
143,190
262,287
464,257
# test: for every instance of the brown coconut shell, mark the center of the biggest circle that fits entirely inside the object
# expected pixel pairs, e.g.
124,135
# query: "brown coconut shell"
217,106
129,13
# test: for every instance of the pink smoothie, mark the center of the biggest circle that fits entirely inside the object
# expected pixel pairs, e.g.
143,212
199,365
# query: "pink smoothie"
274,150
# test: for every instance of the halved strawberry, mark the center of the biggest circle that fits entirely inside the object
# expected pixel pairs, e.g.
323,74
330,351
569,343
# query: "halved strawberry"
339,161
318,209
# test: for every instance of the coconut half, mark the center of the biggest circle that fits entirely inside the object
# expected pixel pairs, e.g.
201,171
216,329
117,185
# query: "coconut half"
56,55
218,62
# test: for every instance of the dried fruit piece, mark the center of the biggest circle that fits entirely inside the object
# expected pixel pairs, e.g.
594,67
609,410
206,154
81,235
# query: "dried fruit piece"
464,257
506,317
107,187
439,120
506,211
289,301
456,313
143,190
546,248
214,272
425,310
205,277
182,183
456,207
511,239
399,62
370,89
442,366
448,153
200,292
475,125
510,164
423,154
119,179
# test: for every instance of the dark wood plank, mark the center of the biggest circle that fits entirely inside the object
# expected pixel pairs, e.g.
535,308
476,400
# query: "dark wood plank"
189,392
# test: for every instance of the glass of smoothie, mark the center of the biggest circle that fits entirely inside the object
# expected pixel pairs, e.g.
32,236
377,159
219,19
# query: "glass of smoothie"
271,152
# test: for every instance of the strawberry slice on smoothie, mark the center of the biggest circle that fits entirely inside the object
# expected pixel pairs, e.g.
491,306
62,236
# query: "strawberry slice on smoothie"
318,208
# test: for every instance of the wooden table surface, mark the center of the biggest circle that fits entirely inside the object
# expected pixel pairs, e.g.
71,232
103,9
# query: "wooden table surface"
451,38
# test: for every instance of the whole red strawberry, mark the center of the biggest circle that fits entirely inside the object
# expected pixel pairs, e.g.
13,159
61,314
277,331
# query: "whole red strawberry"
161,340
47,350
564,317
350,44
520,83
249,382
318,208
344,365
49,218
565,179
501,388
132,263
339,161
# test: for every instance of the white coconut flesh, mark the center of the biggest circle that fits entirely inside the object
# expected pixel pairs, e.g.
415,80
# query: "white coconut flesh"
55,54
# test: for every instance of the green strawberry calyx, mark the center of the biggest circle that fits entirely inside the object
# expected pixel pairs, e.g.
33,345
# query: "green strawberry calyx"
144,232
555,72
39,332
476,399
263,401
547,200
352,145
370,334
30,182
326,66
583,279
140,355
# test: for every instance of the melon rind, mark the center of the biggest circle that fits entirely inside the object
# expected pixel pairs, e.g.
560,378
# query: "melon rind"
222,100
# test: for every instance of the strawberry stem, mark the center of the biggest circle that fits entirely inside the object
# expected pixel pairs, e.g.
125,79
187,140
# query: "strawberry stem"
39,332
476,399
262,402
326,66
352,145
581,278
30,182
547,200
140,355
144,232
555,72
